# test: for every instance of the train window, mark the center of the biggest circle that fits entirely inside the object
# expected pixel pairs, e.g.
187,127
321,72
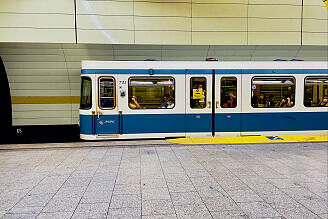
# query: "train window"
228,92
86,93
272,92
106,93
316,92
197,92
151,93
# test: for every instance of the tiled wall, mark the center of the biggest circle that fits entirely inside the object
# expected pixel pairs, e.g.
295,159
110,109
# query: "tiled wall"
165,22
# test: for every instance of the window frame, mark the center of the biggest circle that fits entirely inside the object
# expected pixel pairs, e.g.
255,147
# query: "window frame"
304,91
236,92
295,81
88,78
151,77
114,92
205,99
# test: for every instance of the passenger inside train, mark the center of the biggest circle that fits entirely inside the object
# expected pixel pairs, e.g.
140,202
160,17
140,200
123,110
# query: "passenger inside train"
228,92
324,101
133,103
151,93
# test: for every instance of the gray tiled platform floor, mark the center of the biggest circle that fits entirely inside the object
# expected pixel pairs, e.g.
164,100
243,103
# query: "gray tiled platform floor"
166,181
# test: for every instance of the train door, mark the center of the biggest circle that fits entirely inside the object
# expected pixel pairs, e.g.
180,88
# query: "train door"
199,102
107,119
228,102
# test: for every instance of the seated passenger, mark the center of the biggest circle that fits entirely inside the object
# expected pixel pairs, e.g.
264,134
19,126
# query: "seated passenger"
254,100
170,103
133,103
324,101
165,101
284,102
271,101
230,102
261,100
290,103
292,99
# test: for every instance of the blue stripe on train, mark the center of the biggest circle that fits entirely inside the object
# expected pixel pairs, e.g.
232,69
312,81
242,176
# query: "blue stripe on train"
203,71
224,122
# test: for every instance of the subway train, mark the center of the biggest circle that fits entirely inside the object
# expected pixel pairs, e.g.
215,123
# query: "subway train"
158,99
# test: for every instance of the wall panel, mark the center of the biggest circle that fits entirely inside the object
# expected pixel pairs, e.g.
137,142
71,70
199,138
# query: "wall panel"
219,38
315,24
37,21
163,37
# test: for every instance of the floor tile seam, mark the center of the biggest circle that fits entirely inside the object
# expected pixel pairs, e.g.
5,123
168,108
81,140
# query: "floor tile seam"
302,209
45,159
157,199
288,165
175,212
269,180
241,181
38,184
191,181
84,191
298,201
96,202
62,183
118,169
275,187
16,167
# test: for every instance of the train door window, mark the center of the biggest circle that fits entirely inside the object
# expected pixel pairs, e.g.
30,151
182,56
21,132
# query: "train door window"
228,92
86,93
151,93
316,92
269,92
106,93
197,92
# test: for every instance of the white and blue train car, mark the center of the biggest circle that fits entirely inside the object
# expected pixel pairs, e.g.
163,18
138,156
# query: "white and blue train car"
155,99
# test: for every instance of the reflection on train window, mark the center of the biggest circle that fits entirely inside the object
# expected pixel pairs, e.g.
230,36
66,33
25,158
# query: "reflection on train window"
316,92
228,92
86,91
272,92
106,93
198,92
151,93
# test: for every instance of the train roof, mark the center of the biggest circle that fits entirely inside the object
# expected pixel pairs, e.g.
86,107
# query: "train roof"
204,65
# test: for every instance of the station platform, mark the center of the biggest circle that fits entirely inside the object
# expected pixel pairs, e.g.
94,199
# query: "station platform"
250,139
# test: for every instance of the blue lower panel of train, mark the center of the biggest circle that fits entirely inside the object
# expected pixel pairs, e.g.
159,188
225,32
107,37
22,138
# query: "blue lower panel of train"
295,121
153,123
224,122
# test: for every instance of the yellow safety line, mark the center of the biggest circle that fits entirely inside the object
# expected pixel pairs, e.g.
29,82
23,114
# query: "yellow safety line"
250,139
45,100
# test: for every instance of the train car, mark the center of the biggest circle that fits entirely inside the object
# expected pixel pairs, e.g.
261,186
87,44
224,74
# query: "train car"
155,99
